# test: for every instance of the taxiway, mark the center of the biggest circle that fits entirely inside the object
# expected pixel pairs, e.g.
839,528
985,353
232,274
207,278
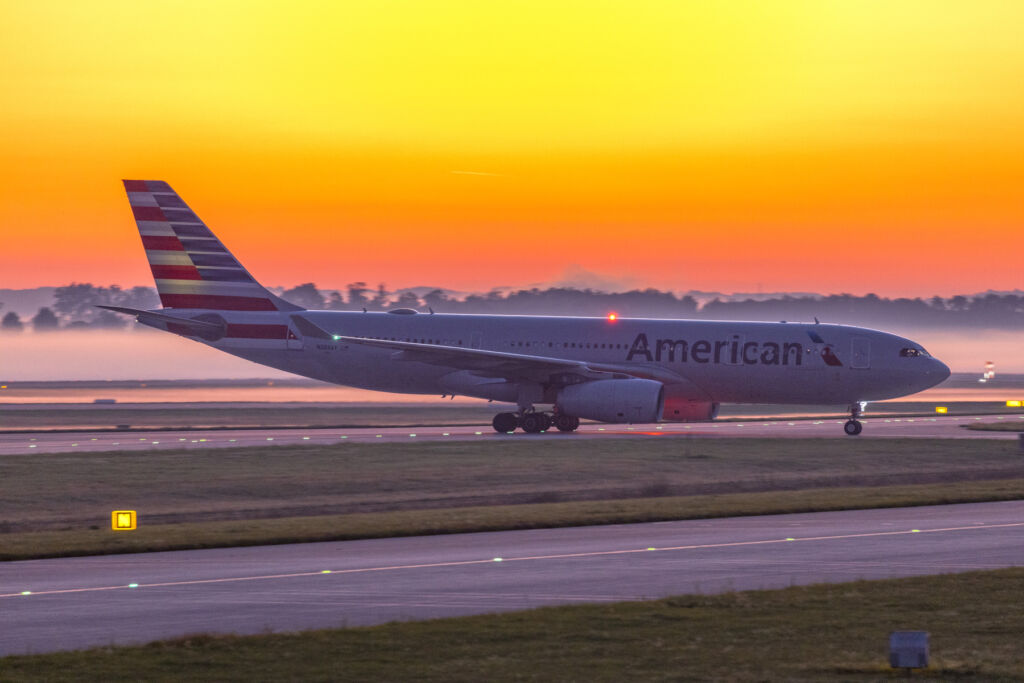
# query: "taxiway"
71,603
942,427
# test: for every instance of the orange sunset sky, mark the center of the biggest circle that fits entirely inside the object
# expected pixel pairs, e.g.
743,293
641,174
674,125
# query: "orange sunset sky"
801,146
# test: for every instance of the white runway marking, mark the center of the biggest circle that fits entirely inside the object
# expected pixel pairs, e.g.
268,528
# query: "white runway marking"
946,427
493,560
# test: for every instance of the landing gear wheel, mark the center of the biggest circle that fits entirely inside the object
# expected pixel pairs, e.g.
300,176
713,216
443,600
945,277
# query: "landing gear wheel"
566,423
505,422
533,423
852,427
545,421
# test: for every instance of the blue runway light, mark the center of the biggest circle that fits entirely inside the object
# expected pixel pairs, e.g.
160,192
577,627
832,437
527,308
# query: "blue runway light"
133,585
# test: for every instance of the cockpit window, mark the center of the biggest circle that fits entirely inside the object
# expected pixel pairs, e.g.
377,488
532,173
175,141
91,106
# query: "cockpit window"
907,352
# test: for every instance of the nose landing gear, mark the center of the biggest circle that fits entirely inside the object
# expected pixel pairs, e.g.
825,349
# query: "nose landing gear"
853,426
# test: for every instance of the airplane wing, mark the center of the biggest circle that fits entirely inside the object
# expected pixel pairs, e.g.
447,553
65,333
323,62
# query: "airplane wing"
511,366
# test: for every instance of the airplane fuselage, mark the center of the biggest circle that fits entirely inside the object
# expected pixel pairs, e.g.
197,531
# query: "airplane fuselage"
718,361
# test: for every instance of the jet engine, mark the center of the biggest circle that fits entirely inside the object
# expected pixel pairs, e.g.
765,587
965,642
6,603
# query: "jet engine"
613,400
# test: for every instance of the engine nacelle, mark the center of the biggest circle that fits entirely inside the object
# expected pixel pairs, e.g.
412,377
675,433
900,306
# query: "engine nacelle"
680,408
614,400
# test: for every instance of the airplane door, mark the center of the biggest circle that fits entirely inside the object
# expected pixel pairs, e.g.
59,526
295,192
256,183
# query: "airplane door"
860,353
475,340
294,341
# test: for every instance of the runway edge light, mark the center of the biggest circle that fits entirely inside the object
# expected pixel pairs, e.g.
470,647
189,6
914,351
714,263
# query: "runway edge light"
122,520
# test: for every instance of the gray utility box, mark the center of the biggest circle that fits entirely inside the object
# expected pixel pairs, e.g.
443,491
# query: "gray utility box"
908,649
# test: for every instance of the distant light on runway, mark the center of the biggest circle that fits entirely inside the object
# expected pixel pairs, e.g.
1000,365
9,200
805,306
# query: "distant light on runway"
941,409
1013,404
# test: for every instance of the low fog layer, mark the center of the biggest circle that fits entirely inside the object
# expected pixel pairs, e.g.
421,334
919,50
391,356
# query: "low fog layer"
148,354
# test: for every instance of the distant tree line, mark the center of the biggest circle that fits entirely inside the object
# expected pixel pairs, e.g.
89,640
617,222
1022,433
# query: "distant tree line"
75,306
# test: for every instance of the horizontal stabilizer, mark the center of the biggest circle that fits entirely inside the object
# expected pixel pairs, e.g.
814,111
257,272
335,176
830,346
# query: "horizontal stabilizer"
207,329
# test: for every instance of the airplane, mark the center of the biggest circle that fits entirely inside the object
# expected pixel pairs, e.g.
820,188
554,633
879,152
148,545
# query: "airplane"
611,369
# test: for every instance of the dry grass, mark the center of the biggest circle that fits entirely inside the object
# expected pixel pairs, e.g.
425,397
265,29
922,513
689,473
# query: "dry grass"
60,503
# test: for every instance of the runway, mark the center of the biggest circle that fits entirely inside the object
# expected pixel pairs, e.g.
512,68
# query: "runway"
940,427
72,603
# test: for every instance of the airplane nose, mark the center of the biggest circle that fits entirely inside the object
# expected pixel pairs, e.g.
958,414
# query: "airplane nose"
938,372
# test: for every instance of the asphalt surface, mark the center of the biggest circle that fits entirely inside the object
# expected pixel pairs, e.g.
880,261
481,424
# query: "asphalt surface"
71,603
942,427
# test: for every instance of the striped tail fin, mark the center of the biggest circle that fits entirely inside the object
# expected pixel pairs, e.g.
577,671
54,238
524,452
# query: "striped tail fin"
191,267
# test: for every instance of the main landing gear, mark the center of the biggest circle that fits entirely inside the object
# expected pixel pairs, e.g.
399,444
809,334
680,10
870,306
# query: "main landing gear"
534,422
853,426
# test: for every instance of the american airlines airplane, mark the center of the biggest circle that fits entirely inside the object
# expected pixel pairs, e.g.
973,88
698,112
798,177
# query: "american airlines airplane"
607,369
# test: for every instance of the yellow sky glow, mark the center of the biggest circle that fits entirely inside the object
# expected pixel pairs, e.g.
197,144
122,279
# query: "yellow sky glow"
832,146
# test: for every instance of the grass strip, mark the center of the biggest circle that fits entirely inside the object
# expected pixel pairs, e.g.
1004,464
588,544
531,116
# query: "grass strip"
192,535
76,491
821,632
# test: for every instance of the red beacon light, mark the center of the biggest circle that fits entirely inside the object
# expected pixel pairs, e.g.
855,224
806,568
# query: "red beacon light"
612,317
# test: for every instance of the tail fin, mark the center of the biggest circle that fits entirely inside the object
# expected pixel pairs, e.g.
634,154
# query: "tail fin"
191,267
